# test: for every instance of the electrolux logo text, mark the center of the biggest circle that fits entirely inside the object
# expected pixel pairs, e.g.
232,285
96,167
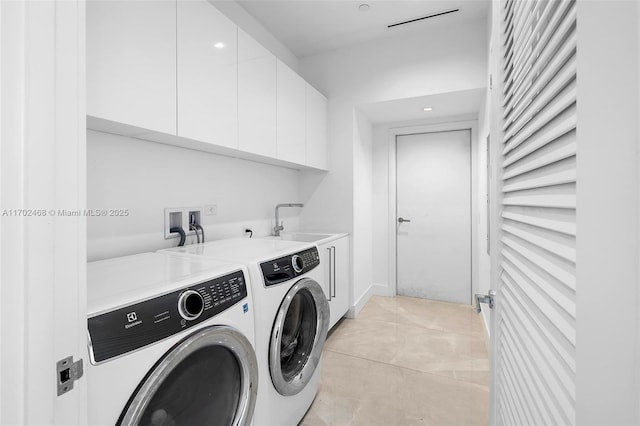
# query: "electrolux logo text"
132,318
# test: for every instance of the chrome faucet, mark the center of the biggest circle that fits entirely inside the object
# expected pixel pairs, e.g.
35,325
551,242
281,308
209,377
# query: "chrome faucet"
279,227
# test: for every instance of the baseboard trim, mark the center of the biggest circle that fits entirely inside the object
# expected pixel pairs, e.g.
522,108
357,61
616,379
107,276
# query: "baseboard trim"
383,290
355,309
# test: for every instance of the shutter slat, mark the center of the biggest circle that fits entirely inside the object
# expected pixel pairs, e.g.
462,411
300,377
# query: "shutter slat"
543,241
561,150
517,406
514,371
526,45
565,357
529,380
565,99
558,178
523,114
517,104
563,273
558,404
544,48
550,289
540,199
561,325
520,315
565,352
558,127
549,224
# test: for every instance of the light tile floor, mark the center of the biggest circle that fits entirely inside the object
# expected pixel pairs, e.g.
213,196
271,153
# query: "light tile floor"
404,361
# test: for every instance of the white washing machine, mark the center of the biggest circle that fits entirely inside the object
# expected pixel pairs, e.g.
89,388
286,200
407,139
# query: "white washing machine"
171,342
292,320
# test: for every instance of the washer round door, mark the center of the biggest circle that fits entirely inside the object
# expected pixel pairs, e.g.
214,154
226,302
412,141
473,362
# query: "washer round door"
210,377
298,336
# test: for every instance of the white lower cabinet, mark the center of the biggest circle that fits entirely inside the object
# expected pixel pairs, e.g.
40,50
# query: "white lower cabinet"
334,258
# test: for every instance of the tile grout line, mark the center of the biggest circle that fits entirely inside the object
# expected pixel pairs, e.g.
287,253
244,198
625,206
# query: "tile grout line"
406,368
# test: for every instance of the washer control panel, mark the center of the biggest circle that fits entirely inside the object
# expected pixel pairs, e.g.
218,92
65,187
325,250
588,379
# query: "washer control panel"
126,329
288,267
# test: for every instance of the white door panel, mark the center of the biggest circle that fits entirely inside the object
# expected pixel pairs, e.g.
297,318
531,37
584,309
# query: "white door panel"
207,74
534,323
256,97
434,193
131,63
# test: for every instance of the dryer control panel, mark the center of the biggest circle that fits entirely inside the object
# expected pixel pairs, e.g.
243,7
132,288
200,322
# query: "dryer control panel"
288,267
126,329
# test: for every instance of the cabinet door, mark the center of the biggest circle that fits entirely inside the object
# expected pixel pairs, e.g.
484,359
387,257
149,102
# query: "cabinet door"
341,281
131,63
207,74
256,97
316,128
291,115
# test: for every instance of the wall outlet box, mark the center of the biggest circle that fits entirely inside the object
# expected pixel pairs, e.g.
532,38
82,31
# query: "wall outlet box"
211,210
181,217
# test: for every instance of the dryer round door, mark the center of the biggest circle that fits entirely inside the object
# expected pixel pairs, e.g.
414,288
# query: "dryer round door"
211,377
298,336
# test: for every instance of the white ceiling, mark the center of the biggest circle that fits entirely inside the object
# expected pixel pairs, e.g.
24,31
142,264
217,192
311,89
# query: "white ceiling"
444,105
308,27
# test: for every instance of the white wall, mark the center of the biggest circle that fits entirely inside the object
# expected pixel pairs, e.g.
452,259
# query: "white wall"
399,67
146,177
607,317
362,212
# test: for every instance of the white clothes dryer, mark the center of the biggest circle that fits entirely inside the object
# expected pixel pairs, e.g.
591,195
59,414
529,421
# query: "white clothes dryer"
292,320
171,342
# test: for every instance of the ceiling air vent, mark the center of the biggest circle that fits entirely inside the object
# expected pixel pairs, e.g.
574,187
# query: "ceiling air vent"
424,17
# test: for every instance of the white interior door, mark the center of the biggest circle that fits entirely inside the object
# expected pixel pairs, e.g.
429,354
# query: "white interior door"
534,325
434,215
42,173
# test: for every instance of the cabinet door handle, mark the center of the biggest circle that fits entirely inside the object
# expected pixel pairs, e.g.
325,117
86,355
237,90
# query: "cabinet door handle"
333,263
329,257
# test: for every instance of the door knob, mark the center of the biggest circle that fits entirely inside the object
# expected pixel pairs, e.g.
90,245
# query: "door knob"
402,220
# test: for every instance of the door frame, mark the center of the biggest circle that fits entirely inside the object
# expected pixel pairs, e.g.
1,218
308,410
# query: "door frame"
394,132
43,168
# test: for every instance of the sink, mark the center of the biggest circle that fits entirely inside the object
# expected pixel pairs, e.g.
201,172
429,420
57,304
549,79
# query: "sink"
304,237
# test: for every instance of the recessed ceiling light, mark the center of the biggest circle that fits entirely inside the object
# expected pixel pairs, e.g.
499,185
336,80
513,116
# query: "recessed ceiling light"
219,45
363,7
427,109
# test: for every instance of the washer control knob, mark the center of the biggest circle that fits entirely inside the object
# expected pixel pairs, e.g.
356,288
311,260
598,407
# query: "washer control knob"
190,305
297,263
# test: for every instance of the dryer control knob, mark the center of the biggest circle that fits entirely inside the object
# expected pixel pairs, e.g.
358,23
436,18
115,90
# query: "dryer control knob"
297,263
190,305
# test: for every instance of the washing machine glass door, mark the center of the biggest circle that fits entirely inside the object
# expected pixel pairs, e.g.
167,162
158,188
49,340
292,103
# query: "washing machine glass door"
208,378
298,336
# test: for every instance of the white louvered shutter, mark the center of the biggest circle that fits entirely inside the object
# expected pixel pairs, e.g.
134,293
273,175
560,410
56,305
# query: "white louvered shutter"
536,312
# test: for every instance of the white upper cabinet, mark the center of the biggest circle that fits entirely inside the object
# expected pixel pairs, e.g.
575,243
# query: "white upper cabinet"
291,115
316,129
207,74
131,63
256,97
